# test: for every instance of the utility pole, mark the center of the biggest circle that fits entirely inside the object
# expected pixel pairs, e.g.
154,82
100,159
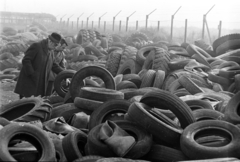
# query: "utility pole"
128,19
172,22
88,18
78,19
114,19
204,22
99,19
147,16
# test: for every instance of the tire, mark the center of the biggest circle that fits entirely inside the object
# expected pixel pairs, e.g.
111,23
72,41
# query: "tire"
196,104
161,60
113,62
67,110
7,76
129,93
231,113
89,158
189,85
135,78
6,55
55,99
232,44
92,35
91,70
165,100
212,127
129,67
4,121
142,146
60,156
148,63
93,50
159,79
201,59
192,49
87,104
224,39
177,65
99,115
27,109
139,113
26,132
73,145
87,58
142,54
126,84
160,153
66,74
148,79
82,37
207,114
100,94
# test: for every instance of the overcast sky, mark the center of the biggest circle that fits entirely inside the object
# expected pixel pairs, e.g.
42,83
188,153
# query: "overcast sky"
226,10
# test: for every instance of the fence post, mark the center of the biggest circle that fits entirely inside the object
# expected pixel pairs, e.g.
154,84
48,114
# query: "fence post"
136,25
104,26
92,24
99,20
120,24
185,33
203,28
171,36
82,23
146,22
158,25
219,29
77,22
113,23
87,23
127,23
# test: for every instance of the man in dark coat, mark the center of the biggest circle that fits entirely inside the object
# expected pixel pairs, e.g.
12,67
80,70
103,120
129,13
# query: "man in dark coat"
36,66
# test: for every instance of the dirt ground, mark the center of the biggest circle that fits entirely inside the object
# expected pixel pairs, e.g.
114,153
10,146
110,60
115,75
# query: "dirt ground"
6,92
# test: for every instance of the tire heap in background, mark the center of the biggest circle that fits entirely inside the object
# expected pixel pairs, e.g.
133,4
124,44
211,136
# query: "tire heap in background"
178,101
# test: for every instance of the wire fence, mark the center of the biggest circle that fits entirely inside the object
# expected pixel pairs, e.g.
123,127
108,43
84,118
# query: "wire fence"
179,30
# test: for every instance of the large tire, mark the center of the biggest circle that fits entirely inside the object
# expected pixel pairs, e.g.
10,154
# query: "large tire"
224,39
143,53
129,67
165,100
232,110
164,154
139,114
100,115
73,145
26,132
77,80
161,60
27,109
207,114
142,146
82,37
61,91
113,62
193,150
100,94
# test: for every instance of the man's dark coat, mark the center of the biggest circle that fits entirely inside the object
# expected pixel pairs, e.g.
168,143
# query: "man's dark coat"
36,66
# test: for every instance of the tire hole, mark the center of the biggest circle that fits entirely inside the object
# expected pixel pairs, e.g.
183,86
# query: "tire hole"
21,110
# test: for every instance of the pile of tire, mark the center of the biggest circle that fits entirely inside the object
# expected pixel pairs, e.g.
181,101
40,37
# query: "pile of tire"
162,102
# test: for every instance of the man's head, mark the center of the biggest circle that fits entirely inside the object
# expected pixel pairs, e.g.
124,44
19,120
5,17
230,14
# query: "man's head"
53,40
63,44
